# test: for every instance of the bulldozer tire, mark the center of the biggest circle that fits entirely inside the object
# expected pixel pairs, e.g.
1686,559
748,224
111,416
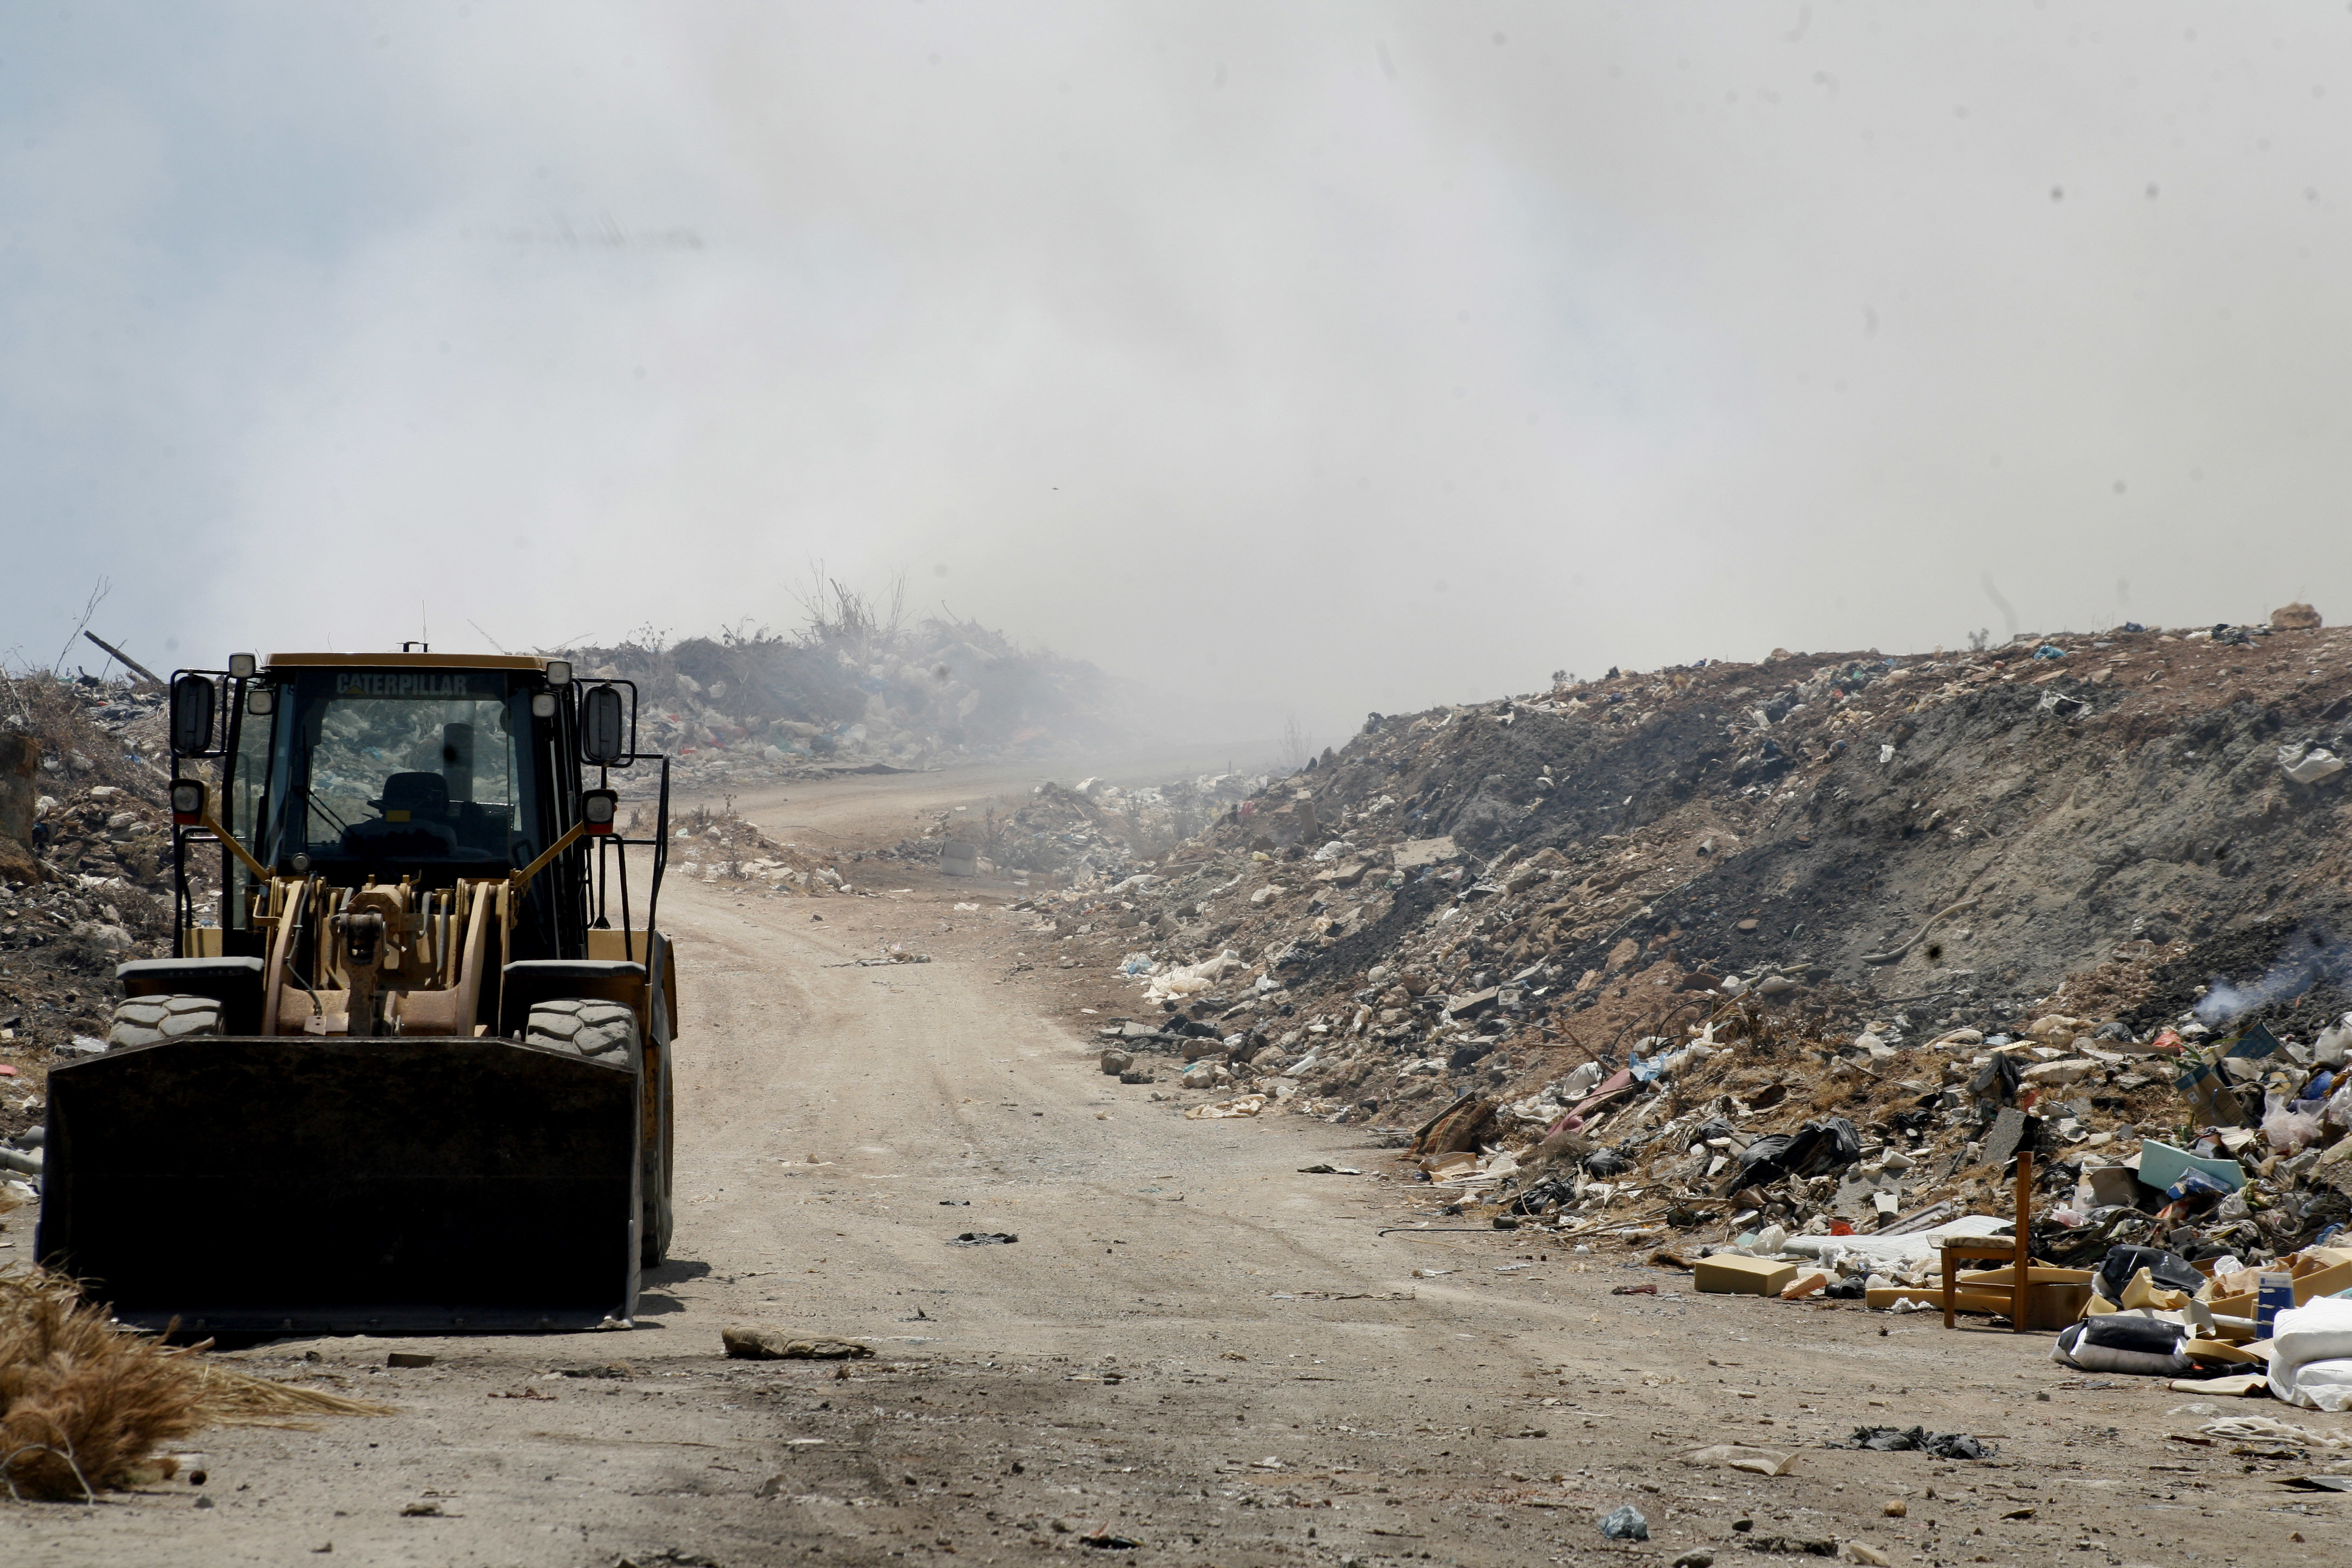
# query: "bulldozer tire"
597,1030
607,1029
654,1233
144,1020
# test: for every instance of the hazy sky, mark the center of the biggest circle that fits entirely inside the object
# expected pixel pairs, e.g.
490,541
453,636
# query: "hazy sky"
1337,357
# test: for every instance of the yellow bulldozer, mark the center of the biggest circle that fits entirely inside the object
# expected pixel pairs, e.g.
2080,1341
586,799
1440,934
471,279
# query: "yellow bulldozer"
412,1072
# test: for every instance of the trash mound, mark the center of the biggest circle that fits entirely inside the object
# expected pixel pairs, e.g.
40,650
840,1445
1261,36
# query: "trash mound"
1726,948
90,731
716,844
1089,834
85,1404
85,868
855,692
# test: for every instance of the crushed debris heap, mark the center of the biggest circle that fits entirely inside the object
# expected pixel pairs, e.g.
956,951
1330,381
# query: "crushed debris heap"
846,694
1724,948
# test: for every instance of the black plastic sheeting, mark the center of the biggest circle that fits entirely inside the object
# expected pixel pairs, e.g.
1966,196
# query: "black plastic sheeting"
2168,1270
1896,1439
1814,1150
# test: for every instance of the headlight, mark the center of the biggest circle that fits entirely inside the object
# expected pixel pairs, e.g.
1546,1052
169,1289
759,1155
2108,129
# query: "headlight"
596,809
187,803
542,705
241,665
558,672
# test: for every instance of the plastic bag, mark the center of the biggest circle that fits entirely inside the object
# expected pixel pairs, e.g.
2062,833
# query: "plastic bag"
1813,1149
2292,1128
1624,1522
2167,1271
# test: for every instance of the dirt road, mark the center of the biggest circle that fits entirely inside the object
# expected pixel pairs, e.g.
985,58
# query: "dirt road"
1192,1346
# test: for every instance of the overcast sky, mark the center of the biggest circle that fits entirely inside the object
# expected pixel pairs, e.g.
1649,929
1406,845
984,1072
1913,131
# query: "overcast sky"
1334,357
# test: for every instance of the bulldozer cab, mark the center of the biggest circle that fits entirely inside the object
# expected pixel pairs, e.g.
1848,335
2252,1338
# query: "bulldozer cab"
419,1026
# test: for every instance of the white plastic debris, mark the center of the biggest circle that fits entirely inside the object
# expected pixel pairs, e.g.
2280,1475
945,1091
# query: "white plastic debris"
2309,767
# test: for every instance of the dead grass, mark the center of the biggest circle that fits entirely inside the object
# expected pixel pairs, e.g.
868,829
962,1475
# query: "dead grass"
226,1398
84,1403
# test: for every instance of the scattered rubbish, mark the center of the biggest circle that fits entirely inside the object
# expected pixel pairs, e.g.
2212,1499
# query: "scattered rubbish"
2266,1428
1624,1522
1940,1445
2161,1166
1329,1170
1242,1105
427,1509
2246,1385
2164,1272
2123,1342
746,1342
2311,1355
408,1358
2309,767
1739,1457
1103,1540
2274,1293
1731,1274
984,1238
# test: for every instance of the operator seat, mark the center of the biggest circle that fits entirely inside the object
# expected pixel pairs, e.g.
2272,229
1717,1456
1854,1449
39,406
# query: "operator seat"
414,824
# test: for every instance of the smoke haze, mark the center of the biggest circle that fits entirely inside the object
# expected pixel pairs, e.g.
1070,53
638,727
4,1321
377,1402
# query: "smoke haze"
1320,358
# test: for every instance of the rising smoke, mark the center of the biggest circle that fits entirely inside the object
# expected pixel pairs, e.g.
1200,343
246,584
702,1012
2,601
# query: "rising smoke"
2311,957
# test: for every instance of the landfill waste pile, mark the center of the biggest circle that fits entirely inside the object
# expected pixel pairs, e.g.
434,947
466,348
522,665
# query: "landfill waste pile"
1091,834
716,844
1781,964
85,877
854,692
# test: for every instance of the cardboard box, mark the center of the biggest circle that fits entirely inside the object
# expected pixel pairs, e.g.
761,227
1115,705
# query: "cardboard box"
2326,1280
1736,1276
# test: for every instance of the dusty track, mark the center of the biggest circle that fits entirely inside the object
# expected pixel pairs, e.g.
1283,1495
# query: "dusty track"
1192,1345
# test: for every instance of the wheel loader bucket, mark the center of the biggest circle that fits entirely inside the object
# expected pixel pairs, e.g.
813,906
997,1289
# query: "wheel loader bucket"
315,1185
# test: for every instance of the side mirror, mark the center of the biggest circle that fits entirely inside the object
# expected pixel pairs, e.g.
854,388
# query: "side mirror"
603,726
192,716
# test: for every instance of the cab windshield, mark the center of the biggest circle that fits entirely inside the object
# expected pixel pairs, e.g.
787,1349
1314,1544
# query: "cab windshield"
382,769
